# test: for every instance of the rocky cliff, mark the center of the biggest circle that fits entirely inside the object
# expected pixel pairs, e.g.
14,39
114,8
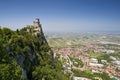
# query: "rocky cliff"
29,55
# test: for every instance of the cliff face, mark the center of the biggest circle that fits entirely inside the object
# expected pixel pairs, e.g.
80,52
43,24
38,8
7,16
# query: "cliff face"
29,61
26,48
26,55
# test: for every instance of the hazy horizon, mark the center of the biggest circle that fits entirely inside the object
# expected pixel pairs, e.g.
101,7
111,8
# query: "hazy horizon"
62,16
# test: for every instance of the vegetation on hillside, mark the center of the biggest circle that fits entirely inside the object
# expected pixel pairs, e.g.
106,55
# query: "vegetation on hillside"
34,51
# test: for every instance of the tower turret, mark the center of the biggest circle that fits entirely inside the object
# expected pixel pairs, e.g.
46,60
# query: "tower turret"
36,22
37,26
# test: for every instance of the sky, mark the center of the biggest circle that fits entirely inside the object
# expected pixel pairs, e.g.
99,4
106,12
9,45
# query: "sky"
62,15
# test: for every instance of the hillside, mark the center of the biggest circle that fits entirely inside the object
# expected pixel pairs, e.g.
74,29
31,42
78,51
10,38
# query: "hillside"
26,55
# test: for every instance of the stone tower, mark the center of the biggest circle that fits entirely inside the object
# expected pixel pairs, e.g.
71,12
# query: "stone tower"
37,27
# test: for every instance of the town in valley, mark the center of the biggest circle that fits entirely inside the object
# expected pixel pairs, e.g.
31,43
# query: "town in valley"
87,54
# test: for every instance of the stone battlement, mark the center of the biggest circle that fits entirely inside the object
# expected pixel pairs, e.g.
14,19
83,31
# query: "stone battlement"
36,27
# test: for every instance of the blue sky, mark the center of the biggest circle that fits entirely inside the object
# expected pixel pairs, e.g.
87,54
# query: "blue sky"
62,15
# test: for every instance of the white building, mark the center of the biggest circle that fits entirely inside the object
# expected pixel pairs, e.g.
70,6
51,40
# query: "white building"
113,58
116,62
94,60
110,51
96,65
104,61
